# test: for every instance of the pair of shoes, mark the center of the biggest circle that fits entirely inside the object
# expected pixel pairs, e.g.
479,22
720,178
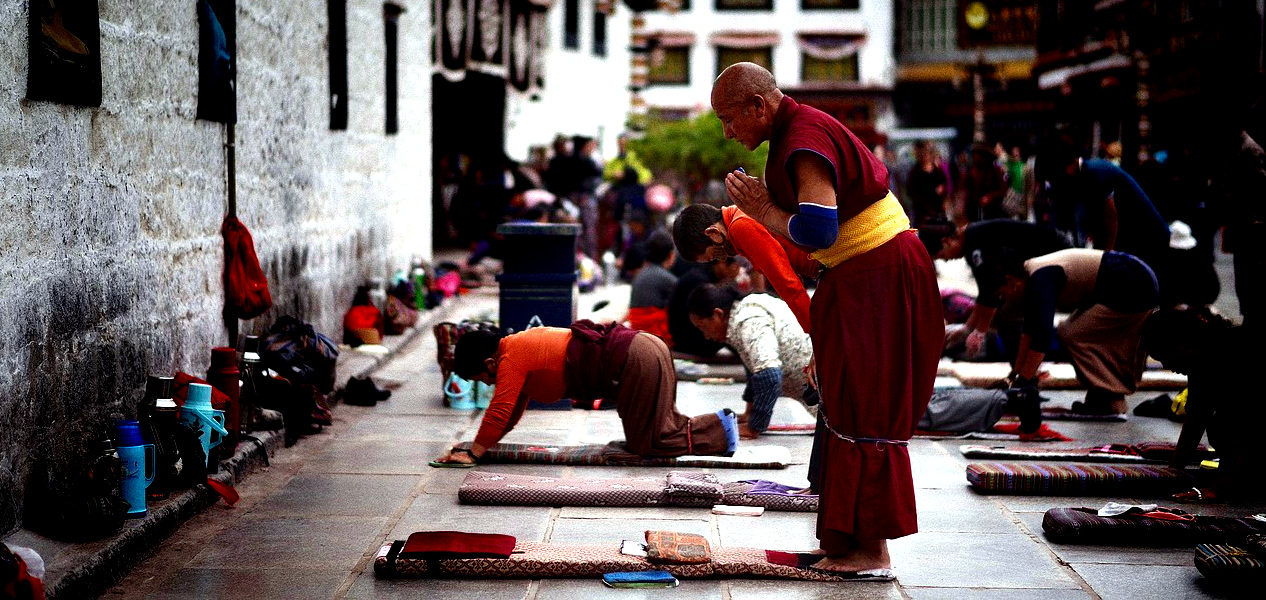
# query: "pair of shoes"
361,391
729,422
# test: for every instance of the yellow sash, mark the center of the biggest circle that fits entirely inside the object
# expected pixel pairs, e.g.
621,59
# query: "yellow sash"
869,229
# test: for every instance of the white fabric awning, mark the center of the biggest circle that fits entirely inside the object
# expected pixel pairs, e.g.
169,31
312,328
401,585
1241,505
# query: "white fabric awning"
745,39
830,46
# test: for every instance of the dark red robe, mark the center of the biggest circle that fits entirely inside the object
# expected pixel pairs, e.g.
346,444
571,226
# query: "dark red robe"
877,334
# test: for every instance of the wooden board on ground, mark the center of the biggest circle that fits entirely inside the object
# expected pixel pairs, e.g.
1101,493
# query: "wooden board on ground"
1062,376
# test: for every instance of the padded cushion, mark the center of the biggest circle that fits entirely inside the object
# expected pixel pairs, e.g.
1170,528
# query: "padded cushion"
673,548
769,494
1226,561
693,488
481,487
536,560
1061,479
1084,526
457,544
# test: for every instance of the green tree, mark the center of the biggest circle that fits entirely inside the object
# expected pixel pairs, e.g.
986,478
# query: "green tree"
689,153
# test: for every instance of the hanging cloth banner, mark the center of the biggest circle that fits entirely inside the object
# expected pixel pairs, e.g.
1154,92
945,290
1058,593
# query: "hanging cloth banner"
831,46
521,45
453,39
488,34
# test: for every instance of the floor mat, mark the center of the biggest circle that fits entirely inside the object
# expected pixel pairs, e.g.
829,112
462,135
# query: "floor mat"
615,455
1002,432
1059,479
1144,453
1232,562
1084,526
790,429
694,371
504,489
1060,376
537,560
1059,413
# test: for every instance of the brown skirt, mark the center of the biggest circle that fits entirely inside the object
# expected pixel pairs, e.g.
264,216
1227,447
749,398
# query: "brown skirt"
877,337
647,404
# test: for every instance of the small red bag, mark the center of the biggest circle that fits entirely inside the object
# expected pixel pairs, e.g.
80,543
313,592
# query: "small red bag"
246,294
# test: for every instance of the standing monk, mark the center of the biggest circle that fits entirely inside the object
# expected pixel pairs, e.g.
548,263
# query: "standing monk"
876,318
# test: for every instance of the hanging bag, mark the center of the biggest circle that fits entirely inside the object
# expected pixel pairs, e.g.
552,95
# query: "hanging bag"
246,294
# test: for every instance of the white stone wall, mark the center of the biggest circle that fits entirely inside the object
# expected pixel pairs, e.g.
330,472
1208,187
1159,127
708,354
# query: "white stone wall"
584,94
110,252
874,18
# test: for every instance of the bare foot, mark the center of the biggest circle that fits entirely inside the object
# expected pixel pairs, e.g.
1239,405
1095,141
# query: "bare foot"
806,492
870,554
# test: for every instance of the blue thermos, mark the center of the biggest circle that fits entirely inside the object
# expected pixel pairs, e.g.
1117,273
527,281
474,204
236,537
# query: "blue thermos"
138,460
201,417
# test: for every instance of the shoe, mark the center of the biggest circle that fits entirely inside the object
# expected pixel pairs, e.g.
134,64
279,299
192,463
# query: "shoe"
459,393
1160,406
729,422
1025,403
361,391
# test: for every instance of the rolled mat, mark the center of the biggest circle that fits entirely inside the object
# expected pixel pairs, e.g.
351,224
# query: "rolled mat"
615,455
1059,376
1083,526
1229,562
1058,479
538,560
1143,453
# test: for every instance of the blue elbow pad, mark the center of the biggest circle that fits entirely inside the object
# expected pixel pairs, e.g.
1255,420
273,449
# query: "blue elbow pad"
815,226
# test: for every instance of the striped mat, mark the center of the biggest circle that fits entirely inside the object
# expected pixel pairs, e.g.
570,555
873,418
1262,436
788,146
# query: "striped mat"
1060,479
1084,526
537,560
615,454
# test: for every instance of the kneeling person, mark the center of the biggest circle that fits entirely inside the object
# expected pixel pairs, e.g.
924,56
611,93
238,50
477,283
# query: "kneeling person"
585,362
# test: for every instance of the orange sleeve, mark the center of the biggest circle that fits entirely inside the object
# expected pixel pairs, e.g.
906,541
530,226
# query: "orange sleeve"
778,261
511,375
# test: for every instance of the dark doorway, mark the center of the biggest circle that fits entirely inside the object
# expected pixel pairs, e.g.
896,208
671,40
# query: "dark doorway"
468,141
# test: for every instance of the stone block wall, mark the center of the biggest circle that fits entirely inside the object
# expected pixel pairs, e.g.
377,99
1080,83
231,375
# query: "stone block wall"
110,251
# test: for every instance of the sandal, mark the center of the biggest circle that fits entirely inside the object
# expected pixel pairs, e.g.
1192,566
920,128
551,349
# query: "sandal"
1196,495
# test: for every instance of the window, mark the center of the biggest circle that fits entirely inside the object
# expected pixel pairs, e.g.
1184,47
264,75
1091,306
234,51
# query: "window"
338,63
829,4
817,69
929,26
390,18
571,24
670,65
744,4
761,56
599,33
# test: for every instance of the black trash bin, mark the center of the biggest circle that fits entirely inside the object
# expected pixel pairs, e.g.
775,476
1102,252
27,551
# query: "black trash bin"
538,281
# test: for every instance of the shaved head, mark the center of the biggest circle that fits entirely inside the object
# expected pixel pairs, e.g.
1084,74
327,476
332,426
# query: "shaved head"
739,82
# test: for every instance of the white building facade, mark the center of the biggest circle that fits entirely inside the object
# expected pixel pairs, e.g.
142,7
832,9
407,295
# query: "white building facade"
835,54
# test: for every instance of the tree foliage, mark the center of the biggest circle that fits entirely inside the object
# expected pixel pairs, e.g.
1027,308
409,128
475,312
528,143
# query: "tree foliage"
691,152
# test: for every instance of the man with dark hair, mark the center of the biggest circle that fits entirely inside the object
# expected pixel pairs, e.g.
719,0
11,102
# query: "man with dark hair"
1109,295
687,339
586,362
977,243
705,233
875,308
653,287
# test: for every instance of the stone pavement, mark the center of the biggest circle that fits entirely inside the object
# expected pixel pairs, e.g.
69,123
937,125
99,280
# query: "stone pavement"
309,525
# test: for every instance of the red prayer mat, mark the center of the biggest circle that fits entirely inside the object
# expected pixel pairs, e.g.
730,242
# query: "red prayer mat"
457,544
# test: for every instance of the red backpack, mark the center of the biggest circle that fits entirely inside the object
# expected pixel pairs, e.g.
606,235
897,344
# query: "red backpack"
246,293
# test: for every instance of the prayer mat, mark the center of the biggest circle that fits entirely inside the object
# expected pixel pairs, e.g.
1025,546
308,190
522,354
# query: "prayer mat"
1060,376
790,429
539,560
1230,562
693,371
614,454
504,489
1002,432
1060,413
1084,526
1057,479
1142,453
679,488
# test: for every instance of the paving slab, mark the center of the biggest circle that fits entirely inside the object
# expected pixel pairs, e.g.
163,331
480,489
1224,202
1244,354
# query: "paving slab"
199,584
368,587
347,455
583,589
1113,582
1011,560
953,593
435,512
341,494
771,531
288,542
954,510
611,531
769,589
408,428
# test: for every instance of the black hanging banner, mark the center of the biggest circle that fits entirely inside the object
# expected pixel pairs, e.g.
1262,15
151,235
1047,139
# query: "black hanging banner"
454,25
65,52
217,62
487,45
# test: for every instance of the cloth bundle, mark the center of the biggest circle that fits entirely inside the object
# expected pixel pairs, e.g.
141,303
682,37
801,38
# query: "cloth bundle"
672,548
